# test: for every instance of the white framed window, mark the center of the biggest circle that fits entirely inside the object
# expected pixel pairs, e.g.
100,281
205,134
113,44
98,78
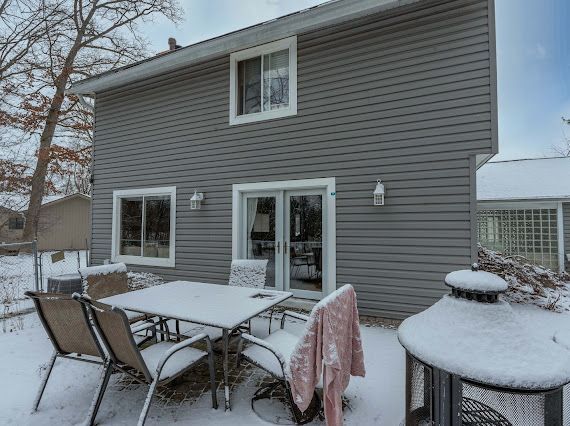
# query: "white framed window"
263,82
144,226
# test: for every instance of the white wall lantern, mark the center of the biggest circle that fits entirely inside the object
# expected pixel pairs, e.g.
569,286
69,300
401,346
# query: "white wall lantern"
196,200
379,193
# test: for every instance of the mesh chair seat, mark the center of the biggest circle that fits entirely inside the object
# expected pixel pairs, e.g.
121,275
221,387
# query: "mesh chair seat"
281,340
175,365
156,364
190,329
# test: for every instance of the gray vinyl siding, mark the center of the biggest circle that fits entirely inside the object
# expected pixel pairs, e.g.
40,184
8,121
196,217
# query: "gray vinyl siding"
566,230
404,96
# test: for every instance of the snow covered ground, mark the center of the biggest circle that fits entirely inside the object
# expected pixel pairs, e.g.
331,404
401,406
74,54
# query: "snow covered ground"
377,399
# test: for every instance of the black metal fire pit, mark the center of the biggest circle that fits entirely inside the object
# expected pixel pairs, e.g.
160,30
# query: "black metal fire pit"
471,361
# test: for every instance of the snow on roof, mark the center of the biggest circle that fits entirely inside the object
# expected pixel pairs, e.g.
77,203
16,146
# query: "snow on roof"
529,179
19,202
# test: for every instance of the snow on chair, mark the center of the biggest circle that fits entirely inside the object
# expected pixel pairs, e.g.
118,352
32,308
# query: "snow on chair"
330,346
107,280
248,273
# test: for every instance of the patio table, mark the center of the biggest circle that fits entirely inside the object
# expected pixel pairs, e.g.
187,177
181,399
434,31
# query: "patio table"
220,306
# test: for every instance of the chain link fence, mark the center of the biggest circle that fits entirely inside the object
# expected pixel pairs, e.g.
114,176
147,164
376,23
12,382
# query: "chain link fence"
23,268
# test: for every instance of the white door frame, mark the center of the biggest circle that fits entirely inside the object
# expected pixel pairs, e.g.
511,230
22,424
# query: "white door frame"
328,184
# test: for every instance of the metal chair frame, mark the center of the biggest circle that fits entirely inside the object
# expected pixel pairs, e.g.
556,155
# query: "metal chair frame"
114,363
298,417
59,353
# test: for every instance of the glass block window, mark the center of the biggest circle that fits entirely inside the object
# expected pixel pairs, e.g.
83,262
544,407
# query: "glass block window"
529,233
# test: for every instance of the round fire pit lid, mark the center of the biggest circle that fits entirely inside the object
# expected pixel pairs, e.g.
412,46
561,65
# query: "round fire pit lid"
476,281
487,343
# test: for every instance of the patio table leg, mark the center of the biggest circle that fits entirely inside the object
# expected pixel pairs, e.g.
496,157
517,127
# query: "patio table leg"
225,341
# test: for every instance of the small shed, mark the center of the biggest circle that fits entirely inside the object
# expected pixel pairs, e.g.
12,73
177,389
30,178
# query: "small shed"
523,208
63,225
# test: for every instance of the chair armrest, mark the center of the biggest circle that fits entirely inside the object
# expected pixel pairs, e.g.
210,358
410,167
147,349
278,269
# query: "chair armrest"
267,346
179,346
145,325
293,314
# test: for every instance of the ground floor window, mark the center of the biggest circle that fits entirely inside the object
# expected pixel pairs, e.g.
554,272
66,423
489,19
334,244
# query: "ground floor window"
143,226
531,233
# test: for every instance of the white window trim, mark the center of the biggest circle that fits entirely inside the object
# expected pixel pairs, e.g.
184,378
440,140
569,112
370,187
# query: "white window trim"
286,43
139,260
329,184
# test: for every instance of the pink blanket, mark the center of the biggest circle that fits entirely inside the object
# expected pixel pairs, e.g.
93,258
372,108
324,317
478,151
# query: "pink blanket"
332,338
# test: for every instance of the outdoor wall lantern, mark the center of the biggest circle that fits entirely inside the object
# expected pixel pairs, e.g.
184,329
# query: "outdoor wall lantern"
196,200
379,193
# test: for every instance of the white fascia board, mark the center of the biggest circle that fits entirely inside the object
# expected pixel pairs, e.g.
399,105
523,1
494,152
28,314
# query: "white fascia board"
314,18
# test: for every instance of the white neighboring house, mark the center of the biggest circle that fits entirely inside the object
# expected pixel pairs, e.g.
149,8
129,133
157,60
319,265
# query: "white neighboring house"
523,208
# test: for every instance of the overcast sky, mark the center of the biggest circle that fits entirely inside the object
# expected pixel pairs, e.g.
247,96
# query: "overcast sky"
533,45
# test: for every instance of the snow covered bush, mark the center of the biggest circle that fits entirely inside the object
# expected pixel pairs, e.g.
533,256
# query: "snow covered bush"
528,284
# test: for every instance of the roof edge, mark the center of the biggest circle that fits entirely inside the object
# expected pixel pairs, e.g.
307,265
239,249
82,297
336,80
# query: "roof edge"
306,20
66,198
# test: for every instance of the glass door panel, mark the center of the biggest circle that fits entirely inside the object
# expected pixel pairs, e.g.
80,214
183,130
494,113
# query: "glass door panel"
261,230
304,235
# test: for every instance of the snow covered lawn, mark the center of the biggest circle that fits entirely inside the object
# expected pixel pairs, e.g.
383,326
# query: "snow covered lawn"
377,399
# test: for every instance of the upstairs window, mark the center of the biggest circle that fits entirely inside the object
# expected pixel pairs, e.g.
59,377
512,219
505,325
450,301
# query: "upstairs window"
263,82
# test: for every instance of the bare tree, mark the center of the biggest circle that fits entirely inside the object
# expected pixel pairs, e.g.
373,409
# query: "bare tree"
91,36
23,24
563,148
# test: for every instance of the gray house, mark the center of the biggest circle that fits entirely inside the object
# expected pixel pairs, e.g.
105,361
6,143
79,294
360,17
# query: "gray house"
524,209
280,133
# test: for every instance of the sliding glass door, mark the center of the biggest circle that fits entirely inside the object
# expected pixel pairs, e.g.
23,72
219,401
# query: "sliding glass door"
288,229
303,236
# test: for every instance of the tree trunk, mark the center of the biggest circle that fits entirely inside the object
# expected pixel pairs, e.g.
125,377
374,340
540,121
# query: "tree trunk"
39,177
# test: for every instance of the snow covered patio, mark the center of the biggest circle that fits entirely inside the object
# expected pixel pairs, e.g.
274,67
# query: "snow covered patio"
377,399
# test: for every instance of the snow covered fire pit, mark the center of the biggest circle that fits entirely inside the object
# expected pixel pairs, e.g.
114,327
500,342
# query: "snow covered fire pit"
471,361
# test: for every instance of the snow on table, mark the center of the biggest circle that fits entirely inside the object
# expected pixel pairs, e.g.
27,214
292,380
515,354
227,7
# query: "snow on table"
215,305
476,281
485,342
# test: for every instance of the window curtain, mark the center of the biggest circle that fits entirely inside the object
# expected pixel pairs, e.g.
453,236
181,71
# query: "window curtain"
251,213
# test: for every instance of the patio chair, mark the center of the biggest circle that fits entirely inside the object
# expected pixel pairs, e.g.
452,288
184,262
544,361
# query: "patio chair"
66,323
248,273
297,261
105,281
331,332
155,365
272,355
